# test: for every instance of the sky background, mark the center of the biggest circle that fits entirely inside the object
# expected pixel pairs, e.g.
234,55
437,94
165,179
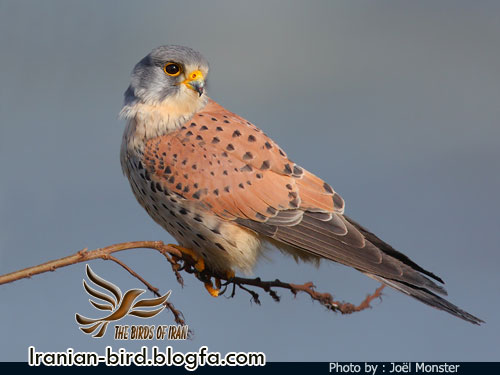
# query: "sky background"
395,103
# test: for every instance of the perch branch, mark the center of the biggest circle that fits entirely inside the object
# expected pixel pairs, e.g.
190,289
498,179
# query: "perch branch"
325,299
86,255
174,257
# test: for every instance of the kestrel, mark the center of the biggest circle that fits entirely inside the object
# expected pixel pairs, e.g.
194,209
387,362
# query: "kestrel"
224,190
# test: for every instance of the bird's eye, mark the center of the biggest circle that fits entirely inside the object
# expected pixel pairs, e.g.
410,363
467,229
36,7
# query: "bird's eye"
172,69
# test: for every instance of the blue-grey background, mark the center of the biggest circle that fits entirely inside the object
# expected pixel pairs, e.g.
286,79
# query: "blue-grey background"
395,103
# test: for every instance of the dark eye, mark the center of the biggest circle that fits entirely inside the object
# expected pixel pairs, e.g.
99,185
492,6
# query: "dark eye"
172,69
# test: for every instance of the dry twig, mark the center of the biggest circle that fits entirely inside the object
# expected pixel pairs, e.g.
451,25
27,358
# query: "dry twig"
174,257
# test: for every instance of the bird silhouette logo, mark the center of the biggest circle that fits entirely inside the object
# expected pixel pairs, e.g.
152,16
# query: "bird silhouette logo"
117,304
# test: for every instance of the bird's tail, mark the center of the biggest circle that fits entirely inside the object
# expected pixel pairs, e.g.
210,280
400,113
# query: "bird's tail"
428,298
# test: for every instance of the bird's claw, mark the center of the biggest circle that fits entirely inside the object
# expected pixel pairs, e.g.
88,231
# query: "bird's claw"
199,262
214,292
200,267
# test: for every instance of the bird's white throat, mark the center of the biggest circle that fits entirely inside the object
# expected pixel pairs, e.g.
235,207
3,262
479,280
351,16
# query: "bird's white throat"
149,120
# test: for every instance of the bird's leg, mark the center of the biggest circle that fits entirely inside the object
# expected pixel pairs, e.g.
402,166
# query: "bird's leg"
199,262
214,291
200,267
229,275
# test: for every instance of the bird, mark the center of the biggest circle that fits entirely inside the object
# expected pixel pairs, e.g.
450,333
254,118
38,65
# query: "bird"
226,191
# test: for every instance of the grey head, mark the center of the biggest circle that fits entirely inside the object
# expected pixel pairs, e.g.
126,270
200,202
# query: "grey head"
170,71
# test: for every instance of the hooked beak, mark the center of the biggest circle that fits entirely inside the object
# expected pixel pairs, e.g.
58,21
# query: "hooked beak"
195,82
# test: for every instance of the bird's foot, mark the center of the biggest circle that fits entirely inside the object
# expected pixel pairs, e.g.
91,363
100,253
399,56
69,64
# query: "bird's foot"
199,262
214,291
200,267
230,275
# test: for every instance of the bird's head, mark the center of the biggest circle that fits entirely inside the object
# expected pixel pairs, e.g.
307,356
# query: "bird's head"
169,75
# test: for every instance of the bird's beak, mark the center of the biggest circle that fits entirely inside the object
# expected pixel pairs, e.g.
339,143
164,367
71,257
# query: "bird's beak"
195,81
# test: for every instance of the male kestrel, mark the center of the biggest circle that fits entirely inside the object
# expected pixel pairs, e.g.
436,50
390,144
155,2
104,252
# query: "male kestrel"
223,189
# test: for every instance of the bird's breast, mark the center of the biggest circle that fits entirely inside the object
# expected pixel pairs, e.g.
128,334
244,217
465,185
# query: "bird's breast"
222,243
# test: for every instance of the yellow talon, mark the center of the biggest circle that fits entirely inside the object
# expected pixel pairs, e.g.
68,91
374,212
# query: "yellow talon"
200,266
199,262
214,292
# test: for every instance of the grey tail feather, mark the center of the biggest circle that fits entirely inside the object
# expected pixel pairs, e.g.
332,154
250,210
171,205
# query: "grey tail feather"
389,250
429,298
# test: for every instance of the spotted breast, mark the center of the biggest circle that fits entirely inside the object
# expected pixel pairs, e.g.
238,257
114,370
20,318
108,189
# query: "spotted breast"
196,181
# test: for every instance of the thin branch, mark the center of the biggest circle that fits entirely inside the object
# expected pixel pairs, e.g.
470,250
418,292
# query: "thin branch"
104,253
153,289
85,256
325,299
174,256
